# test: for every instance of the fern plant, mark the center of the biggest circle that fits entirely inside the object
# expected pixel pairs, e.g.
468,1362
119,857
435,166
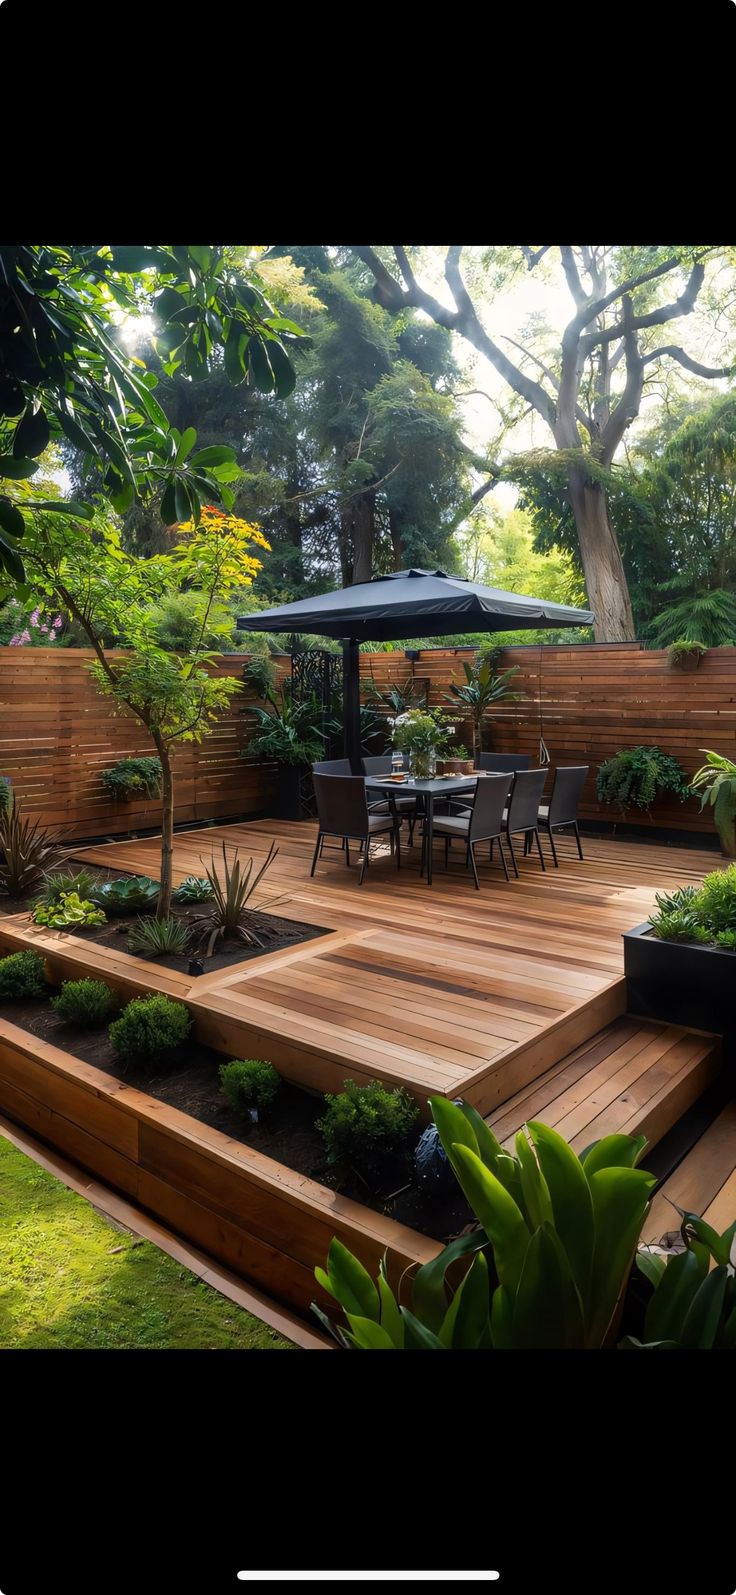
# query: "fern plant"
636,776
707,617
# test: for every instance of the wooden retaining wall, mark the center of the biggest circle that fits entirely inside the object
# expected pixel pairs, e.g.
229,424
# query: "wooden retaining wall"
254,1215
596,699
57,733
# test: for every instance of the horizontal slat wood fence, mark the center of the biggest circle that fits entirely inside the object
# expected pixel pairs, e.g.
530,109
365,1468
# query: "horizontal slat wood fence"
596,699
57,733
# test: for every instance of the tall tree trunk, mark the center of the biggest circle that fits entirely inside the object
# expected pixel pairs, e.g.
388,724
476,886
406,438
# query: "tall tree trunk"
345,546
605,579
363,533
396,543
167,826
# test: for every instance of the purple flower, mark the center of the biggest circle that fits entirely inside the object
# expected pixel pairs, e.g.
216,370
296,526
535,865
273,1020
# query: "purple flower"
34,618
57,623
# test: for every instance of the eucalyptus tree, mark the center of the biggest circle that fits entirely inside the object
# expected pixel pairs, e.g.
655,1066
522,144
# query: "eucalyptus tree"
588,389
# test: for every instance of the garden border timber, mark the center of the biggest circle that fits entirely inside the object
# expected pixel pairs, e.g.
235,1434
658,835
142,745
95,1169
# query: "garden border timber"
262,1220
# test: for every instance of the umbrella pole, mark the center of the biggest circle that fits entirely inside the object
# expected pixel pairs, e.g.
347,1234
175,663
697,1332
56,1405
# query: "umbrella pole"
351,701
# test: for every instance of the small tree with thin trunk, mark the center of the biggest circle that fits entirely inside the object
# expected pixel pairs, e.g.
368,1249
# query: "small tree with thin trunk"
109,592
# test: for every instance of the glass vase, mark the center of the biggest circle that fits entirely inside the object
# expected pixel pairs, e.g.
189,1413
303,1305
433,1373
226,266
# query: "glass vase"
424,764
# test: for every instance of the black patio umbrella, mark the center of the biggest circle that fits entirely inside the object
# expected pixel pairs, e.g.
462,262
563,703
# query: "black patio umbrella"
406,604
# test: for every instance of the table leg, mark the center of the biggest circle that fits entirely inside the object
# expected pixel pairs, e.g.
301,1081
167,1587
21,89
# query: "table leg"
429,828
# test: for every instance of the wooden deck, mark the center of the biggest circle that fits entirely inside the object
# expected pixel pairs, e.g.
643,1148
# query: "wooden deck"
442,989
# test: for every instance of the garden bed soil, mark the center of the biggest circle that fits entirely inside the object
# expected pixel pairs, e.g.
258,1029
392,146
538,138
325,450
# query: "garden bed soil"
273,932
288,1135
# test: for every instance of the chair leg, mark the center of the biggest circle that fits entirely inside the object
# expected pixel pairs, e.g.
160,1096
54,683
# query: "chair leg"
554,849
347,850
539,849
490,850
398,845
527,843
447,851
577,839
513,855
412,823
320,838
364,864
471,850
503,857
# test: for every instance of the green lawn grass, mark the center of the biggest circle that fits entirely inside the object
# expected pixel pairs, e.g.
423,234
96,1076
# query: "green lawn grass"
70,1279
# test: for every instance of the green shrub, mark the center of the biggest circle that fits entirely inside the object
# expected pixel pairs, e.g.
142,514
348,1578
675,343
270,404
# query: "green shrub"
159,936
705,913
368,1127
636,776
131,778
59,882
6,793
22,975
150,1029
195,889
126,896
70,911
85,1003
250,1084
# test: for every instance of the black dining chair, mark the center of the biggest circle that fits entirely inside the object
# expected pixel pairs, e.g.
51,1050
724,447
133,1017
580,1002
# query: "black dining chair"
501,762
342,811
407,807
562,809
483,823
521,815
332,767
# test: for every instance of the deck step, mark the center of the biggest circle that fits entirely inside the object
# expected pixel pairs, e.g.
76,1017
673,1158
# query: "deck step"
634,1077
704,1182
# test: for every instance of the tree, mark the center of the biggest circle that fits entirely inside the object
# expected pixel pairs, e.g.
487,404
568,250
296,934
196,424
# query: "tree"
63,371
499,551
620,298
106,590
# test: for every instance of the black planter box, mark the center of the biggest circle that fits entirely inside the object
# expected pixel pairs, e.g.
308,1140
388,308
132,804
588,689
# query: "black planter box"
680,982
287,800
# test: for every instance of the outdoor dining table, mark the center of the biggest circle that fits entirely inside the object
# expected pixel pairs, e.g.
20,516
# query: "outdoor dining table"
441,786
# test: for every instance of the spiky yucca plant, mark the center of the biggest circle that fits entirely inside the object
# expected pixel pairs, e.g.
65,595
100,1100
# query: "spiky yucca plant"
27,851
228,913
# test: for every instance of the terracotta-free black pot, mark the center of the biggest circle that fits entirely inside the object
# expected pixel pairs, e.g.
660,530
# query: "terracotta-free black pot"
681,983
287,798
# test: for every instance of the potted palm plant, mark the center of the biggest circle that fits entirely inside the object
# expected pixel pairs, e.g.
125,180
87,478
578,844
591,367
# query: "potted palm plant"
716,779
479,691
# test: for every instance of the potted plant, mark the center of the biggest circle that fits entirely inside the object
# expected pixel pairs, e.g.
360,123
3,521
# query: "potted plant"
289,733
457,762
686,655
423,737
680,966
717,780
636,776
479,691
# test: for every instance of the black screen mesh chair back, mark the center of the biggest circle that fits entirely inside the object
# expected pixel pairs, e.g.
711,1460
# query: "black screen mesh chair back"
523,810
331,767
562,809
379,764
503,761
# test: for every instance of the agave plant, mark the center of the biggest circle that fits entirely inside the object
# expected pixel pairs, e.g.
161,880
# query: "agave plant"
126,896
27,851
551,1256
159,936
229,914
59,882
195,889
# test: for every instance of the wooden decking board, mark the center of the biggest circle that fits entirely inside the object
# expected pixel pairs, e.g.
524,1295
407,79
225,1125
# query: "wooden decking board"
702,1183
635,1077
441,989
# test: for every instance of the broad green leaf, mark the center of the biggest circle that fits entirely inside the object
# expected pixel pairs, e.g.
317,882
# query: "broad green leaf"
620,1198
471,1304
66,506
235,346
259,365
613,1151
498,1213
334,1330
186,444
489,1149
651,1265
548,1312
11,520
351,1283
719,1246
369,1335
183,500
11,561
502,1319
429,1293
452,1126
669,1305
391,1319
727,1341
168,504
282,368
571,1200
417,1336
132,258
16,469
31,435
704,1313
219,455
76,433
534,1189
